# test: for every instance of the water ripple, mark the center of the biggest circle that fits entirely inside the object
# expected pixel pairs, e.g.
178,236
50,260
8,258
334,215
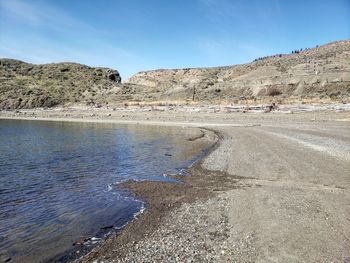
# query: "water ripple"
58,181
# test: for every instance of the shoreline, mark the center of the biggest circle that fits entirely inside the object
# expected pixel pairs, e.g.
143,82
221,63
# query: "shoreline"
196,116
134,122
209,139
161,199
250,172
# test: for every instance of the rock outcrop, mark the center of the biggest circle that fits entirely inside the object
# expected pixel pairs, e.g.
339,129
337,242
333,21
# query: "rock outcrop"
318,72
24,85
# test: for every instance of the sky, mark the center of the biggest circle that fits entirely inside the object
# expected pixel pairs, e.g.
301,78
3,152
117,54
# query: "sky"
138,35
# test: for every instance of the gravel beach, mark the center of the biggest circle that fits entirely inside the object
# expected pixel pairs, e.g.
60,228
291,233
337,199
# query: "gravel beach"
275,188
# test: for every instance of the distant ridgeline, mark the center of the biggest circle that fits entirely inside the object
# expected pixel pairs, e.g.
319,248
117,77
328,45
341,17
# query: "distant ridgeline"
321,72
297,51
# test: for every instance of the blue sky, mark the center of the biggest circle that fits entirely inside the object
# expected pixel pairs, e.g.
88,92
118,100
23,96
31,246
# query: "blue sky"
136,35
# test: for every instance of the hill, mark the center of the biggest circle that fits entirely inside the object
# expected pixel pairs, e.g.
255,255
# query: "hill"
24,85
322,73
317,72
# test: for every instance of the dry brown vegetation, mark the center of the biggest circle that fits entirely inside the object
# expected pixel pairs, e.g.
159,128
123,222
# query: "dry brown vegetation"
319,75
24,85
322,73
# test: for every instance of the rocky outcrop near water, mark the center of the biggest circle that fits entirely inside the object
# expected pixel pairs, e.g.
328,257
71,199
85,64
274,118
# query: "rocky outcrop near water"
318,73
24,85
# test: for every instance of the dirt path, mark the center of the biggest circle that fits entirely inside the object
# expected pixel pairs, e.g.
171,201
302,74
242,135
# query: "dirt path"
297,206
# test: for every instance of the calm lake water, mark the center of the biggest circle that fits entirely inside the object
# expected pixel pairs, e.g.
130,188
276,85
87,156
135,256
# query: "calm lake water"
58,180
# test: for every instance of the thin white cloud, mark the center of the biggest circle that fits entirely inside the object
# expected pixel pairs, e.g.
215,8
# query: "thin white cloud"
93,53
23,36
229,51
19,9
253,51
223,10
247,15
43,15
212,48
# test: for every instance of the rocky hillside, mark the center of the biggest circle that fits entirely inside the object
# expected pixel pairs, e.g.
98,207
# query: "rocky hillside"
319,72
24,85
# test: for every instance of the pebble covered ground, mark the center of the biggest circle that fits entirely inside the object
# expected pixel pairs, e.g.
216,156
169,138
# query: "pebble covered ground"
275,190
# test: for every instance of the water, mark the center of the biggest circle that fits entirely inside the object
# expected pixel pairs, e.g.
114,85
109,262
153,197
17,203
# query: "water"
57,180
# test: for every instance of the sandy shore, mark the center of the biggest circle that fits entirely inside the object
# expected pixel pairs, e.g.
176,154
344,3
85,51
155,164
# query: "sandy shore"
274,189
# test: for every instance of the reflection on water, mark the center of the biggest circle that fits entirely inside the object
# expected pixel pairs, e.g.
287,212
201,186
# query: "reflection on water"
56,180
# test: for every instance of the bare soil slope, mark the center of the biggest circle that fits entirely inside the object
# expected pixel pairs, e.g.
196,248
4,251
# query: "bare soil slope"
319,72
322,73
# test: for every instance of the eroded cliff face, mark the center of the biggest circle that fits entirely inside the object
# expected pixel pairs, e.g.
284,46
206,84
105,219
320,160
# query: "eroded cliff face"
317,72
24,85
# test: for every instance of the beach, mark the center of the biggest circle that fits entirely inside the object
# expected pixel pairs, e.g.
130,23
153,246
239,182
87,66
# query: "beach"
274,188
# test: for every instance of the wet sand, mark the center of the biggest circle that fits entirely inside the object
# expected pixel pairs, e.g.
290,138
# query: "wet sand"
275,188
